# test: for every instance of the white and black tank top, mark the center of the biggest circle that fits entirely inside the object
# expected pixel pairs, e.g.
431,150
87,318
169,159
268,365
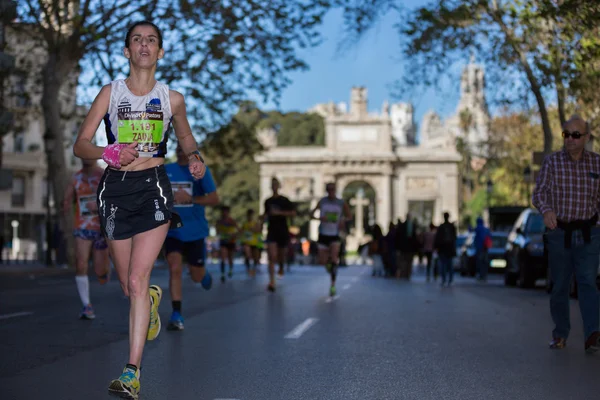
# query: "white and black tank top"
143,119
332,210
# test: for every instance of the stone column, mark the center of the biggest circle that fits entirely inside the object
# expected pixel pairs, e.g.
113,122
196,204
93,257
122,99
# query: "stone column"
401,203
318,192
384,202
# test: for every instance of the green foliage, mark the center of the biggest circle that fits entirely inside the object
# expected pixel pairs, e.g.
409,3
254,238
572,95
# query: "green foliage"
216,52
531,49
296,129
229,151
513,139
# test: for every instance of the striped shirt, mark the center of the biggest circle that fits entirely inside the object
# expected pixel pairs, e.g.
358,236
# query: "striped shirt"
569,188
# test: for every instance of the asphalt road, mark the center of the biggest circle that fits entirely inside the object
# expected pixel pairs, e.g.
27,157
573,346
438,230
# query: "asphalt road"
378,339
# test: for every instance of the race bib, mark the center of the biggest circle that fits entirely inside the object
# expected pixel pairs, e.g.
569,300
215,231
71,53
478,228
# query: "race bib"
144,127
185,186
84,206
331,217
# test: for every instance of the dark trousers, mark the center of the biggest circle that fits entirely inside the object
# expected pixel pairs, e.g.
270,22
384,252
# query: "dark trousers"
582,259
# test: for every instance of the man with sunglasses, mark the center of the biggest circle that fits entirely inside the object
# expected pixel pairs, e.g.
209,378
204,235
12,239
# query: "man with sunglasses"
567,194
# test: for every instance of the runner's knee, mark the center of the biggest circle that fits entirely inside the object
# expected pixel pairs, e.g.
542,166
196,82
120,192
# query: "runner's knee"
137,285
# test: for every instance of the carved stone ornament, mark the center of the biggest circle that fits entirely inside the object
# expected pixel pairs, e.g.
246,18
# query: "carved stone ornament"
420,183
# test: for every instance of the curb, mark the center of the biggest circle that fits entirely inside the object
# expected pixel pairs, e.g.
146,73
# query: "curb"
33,270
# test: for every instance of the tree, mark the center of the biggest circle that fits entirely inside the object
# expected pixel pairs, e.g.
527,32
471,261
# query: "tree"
531,50
295,128
229,151
217,52
8,11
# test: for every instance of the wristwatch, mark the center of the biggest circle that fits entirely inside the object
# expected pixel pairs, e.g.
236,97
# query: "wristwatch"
196,154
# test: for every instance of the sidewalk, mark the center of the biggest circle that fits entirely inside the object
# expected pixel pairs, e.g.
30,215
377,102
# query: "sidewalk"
31,268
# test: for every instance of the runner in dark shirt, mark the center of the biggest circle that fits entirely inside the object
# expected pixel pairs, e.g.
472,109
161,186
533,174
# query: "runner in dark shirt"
277,210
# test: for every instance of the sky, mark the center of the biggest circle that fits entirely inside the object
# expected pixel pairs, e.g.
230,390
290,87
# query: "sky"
375,63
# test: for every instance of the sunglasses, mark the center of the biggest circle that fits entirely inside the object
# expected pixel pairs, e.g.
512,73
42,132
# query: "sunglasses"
574,135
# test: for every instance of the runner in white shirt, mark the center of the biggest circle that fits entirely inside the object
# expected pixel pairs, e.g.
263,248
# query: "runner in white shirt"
334,213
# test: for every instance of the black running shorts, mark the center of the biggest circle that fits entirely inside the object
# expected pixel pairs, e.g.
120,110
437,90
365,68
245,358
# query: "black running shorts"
227,245
132,202
328,240
194,252
281,238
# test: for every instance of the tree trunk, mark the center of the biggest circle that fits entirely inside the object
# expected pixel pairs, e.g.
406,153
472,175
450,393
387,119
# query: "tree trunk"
53,74
560,97
545,119
535,87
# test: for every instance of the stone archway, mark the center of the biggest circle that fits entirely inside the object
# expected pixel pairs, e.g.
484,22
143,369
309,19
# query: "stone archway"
382,185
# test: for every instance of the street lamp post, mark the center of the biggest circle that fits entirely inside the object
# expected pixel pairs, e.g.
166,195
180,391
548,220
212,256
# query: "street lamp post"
527,178
48,144
489,188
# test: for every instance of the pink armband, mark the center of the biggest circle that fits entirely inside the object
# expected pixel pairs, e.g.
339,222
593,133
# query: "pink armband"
111,154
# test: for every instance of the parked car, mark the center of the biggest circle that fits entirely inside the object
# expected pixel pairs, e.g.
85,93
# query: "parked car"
525,258
496,257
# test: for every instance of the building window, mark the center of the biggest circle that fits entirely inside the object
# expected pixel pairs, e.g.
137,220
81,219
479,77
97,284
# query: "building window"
21,99
19,143
18,191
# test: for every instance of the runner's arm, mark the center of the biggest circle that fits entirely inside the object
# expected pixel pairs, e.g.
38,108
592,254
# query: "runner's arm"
291,212
183,131
210,199
347,212
83,147
206,185
68,198
314,211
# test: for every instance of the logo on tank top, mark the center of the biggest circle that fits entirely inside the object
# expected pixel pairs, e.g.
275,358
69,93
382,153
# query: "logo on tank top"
124,105
153,105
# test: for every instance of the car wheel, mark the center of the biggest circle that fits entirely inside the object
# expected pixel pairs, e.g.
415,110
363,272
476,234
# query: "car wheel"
472,267
510,279
526,278
463,266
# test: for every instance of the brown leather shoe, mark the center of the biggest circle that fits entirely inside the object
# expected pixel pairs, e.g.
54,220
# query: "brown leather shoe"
592,344
557,343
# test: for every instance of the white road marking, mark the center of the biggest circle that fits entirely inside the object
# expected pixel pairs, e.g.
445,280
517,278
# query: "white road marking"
345,287
355,279
330,299
300,329
17,314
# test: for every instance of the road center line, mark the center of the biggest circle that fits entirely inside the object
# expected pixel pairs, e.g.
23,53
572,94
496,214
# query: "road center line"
347,286
17,314
300,329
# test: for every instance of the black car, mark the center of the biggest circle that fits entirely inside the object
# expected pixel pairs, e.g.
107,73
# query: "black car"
496,259
525,258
